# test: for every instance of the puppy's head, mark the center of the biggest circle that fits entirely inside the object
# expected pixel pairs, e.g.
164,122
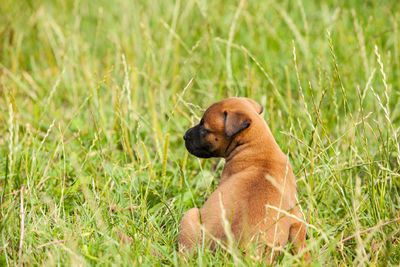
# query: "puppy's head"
221,124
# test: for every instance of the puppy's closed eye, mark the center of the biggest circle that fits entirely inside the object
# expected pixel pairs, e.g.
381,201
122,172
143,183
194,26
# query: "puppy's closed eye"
204,131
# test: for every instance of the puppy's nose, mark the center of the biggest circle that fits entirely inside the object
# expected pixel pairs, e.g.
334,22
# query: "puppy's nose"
186,136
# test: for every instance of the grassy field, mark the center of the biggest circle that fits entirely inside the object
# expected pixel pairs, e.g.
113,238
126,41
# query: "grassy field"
96,95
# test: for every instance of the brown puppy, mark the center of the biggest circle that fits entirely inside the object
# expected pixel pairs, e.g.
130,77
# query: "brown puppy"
257,194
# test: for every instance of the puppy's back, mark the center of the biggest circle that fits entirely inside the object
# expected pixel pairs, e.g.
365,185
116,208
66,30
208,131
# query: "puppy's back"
244,200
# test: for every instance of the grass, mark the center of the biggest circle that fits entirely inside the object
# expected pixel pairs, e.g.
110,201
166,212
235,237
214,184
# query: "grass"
96,95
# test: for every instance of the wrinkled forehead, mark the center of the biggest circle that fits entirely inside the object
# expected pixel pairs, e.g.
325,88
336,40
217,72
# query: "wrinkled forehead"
228,104
214,116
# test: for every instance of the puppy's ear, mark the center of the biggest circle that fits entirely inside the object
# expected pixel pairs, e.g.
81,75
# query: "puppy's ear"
235,122
256,106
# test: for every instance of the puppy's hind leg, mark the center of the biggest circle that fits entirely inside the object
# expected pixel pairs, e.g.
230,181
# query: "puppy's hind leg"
189,231
297,234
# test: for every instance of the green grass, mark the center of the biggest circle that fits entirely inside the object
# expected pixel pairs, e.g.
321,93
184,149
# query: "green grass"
96,95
